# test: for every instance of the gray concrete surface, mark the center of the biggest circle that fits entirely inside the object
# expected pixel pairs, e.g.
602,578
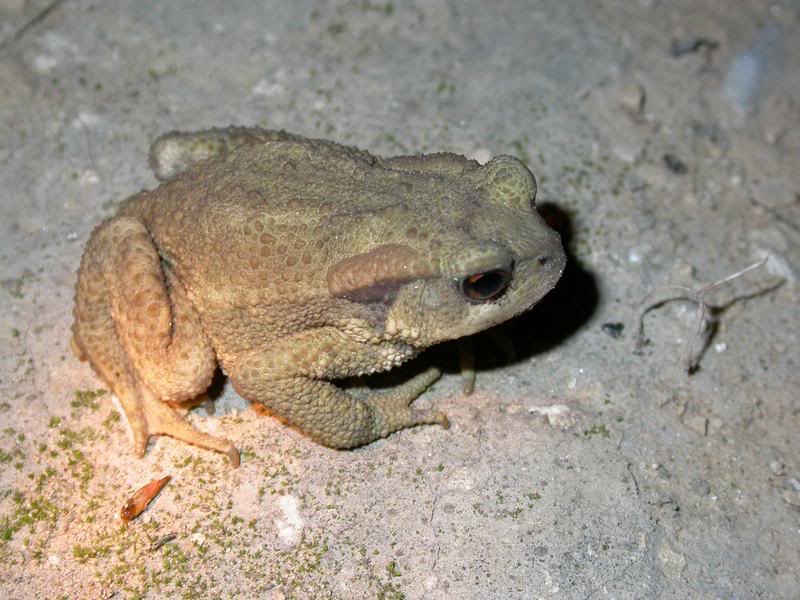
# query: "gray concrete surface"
577,469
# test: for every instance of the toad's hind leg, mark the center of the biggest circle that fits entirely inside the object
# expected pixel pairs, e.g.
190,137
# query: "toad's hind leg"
142,335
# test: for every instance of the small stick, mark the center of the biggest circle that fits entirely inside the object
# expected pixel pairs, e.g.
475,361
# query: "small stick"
162,540
698,341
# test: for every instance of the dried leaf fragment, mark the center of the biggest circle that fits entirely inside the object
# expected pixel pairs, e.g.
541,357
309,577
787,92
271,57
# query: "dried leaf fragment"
142,498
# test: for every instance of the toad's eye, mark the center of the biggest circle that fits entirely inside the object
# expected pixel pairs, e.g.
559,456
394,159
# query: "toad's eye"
485,287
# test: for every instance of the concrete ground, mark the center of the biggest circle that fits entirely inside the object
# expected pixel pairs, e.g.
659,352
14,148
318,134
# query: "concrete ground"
664,136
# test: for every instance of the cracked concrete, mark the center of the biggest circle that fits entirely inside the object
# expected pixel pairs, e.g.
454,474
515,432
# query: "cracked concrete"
577,469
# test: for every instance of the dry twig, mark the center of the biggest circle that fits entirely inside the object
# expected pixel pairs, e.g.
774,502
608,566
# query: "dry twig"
701,336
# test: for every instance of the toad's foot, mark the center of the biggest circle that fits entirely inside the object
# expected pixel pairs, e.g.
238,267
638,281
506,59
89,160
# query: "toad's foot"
155,417
393,409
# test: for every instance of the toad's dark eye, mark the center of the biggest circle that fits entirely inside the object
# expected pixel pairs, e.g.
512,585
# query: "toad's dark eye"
485,287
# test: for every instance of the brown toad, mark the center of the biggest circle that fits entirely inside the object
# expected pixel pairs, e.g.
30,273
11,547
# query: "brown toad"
291,262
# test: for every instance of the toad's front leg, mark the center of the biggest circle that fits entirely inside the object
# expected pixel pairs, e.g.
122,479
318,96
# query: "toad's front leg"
331,416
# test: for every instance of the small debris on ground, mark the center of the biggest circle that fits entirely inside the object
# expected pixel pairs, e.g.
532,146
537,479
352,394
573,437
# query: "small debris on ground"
631,97
557,415
792,498
702,333
164,539
613,329
142,498
693,45
700,487
777,467
675,164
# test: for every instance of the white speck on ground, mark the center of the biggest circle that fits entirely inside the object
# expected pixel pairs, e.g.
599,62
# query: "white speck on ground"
672,562
290,526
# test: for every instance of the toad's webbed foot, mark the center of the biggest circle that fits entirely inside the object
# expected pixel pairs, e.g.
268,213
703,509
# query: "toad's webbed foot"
393,409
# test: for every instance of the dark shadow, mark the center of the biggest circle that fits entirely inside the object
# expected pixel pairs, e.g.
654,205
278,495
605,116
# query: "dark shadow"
566,308
214,391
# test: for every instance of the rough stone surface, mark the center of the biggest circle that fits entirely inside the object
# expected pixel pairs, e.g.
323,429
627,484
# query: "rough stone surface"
606,503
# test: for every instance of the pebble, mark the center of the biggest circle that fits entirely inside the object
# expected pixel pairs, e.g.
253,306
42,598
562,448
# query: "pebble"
675,164
700,487
697,423
672,562
631,97
628,153
613,329
689,46
635,183
44,63
777,467
791,498
652,174
557,415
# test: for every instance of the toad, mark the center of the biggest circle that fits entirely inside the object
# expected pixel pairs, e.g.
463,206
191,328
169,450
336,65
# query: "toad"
292,262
